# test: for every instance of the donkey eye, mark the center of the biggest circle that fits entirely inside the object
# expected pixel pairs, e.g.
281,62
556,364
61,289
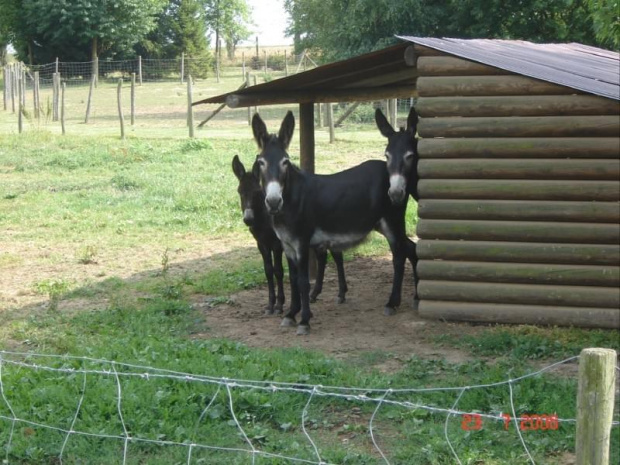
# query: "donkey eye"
261,162
387,155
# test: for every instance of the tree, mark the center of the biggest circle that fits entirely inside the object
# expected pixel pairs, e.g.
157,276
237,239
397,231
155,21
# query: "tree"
606,21
229,20
343,28
75,29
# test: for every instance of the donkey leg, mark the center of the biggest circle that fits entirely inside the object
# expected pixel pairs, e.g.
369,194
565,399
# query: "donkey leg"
268,267
342,281
394,231
303,280
279,273
289,318
321,259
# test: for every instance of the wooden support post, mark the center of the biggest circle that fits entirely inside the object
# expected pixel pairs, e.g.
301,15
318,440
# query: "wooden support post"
120,107
285,63
190,112
595,405
133,98
306,157
182,67
330,122
346,114
56,68
319,116
62,107
220,108
140,69
90,98
96,70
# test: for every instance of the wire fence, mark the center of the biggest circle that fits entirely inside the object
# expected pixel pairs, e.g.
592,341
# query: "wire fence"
85,372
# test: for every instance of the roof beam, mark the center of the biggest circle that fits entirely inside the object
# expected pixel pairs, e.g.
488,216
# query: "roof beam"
319,96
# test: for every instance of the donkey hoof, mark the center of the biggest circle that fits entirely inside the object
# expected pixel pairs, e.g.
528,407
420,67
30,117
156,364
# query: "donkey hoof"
278,309
313,299
341,299
303,330
389,311
287,322
268,310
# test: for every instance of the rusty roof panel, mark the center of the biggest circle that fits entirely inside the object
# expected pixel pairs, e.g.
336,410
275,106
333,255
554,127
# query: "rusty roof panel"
577,66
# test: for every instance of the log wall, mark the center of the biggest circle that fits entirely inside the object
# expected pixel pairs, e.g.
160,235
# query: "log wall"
519,184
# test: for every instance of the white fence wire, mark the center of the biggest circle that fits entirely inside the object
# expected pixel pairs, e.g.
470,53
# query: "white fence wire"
118,370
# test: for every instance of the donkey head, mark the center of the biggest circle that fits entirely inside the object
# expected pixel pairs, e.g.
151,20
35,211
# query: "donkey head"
273,160
401,153
249,190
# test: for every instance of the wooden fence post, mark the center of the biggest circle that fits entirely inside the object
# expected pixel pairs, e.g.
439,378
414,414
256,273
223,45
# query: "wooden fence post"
346,114
330,121
285,62
140,69
182,67
133,98
265,53
247,84
595,405
24,88
20,91
55,97
120,107
96,70
90,98
319,116
4,94
190,110
56,68
36,96
12,87
243,65
255,108
62,107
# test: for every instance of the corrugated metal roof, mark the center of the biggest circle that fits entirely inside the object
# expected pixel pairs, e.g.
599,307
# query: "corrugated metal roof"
580,67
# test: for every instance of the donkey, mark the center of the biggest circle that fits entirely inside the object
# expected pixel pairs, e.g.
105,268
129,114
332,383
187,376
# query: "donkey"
402,166
402,157
332,212
255,216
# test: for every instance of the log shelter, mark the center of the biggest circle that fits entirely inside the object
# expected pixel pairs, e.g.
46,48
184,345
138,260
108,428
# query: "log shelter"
519,171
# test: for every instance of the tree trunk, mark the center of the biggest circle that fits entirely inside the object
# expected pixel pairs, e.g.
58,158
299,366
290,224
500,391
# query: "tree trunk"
93,51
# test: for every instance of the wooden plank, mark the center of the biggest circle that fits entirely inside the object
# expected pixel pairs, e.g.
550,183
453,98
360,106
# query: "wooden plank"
453,66
511,147
516,168
519,273
519,231
526,105
523,210
585,317
602,191
520,252
465,86
521,294
521,126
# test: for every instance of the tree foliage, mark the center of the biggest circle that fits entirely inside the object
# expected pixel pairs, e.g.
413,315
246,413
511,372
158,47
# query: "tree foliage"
343,28
76,29
228,20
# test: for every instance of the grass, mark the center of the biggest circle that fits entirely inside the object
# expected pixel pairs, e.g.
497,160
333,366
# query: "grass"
118,237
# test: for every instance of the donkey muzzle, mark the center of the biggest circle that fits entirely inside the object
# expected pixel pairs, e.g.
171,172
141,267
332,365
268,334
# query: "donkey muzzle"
273,198
398,189
248,216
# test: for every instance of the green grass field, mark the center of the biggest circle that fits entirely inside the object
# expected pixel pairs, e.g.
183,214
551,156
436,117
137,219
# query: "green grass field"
104,246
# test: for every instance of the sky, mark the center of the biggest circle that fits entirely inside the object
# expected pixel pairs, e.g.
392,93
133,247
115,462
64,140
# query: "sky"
270,22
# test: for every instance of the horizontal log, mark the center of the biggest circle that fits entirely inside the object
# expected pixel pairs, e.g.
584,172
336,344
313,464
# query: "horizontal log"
601,191
521,294
413,52
511,147
453,66
541,105
519,231
583,317
319,95
516,168
469,86
519,273
520,252
521,126
521,210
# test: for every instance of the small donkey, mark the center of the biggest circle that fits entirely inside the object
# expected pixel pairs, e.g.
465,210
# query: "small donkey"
255,216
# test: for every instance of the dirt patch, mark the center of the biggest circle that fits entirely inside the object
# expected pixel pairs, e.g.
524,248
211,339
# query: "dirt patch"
346,330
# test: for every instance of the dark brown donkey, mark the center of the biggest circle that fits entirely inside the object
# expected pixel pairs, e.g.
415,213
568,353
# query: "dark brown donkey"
255,216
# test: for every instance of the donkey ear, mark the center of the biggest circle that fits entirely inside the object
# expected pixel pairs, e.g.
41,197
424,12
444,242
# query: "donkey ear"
286,130
256,170
412,121
260,131
382,123
238,167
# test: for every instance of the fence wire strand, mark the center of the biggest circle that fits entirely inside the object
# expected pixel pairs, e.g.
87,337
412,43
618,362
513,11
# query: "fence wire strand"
378,396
